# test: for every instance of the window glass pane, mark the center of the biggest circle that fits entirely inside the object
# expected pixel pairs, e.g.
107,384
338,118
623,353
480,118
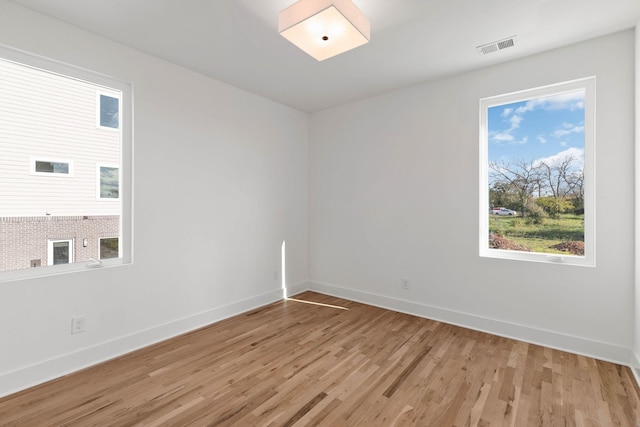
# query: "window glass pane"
41,218
60,253
109,182
52,167
109,248
536,179
537,174
109,111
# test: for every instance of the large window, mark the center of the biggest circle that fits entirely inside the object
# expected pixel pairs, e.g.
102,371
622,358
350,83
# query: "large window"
537,174
50,148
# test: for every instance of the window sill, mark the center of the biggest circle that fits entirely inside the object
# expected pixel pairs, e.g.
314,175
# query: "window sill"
582,261
55,270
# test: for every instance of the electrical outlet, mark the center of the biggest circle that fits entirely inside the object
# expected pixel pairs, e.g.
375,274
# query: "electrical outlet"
77,324
404,283
276,275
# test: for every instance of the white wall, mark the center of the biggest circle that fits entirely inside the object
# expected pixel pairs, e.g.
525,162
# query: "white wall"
220,181
394,193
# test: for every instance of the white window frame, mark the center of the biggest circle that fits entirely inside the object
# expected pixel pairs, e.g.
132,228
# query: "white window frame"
50,250
125,244
98,105
589,259
108,237
99,183
33,170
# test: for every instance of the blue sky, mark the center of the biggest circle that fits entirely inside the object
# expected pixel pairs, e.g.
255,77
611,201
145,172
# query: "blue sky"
543,128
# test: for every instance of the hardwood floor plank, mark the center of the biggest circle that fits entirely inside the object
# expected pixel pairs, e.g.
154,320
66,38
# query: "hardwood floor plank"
317,360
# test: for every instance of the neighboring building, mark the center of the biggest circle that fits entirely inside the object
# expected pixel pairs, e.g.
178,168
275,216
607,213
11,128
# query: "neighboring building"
59,169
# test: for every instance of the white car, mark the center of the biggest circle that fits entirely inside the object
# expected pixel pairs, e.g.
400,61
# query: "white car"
503,211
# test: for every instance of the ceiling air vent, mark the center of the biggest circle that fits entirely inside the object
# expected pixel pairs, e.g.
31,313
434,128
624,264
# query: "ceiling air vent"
488,48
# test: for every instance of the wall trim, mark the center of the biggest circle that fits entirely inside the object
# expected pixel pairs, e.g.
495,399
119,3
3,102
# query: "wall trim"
297,288
635,367
47,370
573,344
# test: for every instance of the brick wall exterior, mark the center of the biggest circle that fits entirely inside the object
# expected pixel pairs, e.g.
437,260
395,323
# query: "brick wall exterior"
24,239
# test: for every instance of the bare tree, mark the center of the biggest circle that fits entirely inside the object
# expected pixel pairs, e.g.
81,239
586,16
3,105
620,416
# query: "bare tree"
557,176
575,184
522,177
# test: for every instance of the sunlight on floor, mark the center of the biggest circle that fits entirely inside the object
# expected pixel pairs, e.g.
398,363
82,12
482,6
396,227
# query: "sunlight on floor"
317,303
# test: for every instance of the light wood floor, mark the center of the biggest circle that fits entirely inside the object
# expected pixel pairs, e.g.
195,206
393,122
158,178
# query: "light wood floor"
296,363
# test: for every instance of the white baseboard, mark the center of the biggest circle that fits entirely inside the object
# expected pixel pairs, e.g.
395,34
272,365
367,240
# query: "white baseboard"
635,367
29,376
297,288
573,344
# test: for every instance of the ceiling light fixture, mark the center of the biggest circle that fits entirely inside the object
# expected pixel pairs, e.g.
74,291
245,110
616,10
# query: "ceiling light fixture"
324,28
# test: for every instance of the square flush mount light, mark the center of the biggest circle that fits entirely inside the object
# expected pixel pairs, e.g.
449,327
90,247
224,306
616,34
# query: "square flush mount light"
324,28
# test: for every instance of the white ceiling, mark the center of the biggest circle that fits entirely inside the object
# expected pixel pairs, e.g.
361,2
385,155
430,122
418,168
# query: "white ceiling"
412,41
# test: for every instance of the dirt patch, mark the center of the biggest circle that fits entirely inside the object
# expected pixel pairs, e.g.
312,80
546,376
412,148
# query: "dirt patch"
575,248
496,241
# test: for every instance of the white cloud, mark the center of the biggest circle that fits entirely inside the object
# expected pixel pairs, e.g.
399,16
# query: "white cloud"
576,153
507,135
501,136
565,101
563,144
567,129
571,101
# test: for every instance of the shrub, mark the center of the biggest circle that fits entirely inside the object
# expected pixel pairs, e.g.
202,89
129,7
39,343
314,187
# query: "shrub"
536,215
554,206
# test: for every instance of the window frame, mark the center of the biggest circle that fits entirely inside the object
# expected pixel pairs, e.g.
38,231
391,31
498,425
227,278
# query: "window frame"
50,257
125,105
588,84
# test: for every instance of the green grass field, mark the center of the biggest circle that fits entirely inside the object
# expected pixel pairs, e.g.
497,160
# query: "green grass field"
539,237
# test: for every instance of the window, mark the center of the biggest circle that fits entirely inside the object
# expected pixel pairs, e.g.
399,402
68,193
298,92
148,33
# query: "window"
51,167
109,182
537,174
60,252
49,123
109,247
108,111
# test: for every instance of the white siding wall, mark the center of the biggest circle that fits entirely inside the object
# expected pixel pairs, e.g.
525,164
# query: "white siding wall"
48,117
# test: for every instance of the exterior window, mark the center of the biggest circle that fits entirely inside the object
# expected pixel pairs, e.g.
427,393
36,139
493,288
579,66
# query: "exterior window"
51,167
41,217
109,179
537,174
108,111
60,252
109,247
